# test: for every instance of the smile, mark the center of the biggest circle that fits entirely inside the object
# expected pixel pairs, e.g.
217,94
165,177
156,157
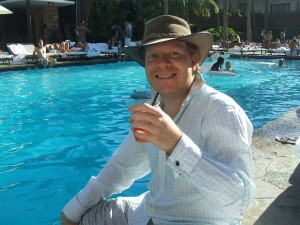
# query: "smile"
165,76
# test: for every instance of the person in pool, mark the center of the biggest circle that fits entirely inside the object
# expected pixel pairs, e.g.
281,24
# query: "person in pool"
218,65
280,62
198,153
228,67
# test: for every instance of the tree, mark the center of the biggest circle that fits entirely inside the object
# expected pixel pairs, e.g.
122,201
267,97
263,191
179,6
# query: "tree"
166,7
218,16
225,20
104,12
89,5
189,8
266,15
249,34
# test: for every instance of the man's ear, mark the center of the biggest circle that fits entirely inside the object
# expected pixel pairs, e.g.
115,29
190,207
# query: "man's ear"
195,59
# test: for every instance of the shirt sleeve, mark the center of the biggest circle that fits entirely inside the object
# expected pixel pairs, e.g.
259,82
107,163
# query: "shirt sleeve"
220,165
126,165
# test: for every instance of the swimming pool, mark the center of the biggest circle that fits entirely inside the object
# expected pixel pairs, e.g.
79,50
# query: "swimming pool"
59,126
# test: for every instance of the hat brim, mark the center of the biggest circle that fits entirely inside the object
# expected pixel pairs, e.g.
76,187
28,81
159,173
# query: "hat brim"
203,40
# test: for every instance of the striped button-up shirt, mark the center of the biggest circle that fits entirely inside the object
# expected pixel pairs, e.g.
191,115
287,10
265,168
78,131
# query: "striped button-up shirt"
206,179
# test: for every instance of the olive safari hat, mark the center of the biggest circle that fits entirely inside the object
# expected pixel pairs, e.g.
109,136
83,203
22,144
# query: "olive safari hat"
166,28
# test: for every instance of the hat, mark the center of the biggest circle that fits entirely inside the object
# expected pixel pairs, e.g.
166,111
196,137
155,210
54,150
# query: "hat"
166,28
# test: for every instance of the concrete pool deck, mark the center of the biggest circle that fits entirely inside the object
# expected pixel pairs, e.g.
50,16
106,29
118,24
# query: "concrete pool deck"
276,174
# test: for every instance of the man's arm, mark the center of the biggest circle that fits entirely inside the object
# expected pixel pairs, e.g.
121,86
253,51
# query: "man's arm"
220,164
128,163
116,35
35,52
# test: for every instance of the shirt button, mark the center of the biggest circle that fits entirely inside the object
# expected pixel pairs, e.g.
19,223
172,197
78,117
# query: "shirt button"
177,163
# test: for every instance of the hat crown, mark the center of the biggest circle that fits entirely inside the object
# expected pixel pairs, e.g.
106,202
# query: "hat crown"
166,26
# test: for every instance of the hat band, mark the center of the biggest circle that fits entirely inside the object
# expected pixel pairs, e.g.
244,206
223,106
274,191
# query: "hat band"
152,36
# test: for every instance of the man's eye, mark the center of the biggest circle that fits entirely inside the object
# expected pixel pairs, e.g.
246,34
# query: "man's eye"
174,53
151,56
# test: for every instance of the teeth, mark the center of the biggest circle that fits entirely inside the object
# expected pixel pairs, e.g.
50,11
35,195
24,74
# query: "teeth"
164,76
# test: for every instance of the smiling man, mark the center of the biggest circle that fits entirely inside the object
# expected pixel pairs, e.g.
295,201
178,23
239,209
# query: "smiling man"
198,152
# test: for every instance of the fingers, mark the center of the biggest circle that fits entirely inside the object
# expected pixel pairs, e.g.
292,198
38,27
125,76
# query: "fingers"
145,108
154,125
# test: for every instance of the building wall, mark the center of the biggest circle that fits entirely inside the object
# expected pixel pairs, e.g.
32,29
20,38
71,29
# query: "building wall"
45,24
259,5
276,22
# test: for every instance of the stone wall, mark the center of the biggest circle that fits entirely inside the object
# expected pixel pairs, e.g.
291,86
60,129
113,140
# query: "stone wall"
46,24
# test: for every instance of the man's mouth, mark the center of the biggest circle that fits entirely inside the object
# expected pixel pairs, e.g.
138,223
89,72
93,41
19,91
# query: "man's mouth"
165,76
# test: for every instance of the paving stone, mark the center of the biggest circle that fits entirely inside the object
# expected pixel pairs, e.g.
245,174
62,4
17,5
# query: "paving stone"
276,174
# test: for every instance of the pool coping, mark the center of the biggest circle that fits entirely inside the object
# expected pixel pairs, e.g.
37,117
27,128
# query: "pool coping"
65,63
91,61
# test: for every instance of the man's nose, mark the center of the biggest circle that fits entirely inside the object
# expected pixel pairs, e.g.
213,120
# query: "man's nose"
164,61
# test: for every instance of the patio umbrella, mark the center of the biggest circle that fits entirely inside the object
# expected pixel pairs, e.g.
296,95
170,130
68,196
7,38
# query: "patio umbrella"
4,10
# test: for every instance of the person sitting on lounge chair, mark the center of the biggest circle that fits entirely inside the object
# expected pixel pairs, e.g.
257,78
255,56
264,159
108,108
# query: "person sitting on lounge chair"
40,53
64,46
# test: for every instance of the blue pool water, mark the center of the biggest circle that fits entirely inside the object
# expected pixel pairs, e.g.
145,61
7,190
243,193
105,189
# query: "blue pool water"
59,126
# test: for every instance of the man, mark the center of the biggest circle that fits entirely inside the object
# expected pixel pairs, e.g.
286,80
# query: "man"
198,153
118,38
282,36
267,38
128,33
40,53
280,62
81,31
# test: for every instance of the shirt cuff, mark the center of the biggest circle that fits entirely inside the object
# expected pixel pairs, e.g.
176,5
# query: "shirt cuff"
185,156
73,210
85,199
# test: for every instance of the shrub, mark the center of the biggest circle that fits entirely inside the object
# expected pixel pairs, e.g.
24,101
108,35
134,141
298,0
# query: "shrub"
218,33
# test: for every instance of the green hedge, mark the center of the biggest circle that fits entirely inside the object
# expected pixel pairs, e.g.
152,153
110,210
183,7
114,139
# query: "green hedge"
218,33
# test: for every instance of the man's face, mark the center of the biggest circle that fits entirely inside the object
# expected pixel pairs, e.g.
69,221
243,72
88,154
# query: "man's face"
169,68
40,43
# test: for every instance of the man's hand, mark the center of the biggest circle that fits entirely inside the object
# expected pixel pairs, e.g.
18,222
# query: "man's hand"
65,221
162,131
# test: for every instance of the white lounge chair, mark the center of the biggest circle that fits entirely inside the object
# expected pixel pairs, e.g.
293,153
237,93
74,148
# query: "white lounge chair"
106,51
19,51
6,58
93,50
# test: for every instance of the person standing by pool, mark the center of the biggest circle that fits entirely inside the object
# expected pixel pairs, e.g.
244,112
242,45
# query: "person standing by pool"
267,39
81,32
40,53
198,152
128,32
282,36
118,38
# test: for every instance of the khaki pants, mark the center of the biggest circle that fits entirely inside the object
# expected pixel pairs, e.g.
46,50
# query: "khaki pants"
108,212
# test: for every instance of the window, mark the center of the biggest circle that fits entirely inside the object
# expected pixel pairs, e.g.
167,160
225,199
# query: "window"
280,8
